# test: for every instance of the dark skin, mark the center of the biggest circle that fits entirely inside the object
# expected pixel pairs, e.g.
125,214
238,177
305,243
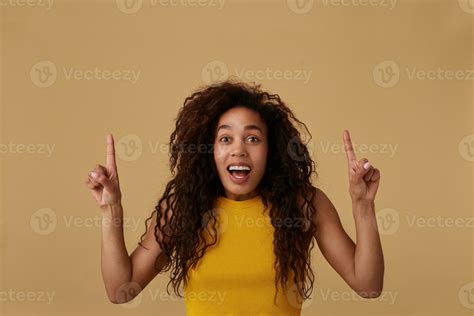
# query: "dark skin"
360,265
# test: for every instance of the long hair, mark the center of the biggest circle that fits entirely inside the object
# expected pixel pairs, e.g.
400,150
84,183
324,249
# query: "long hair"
195,184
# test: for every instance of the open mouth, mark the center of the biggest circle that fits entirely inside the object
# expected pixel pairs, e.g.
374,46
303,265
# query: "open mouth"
239,171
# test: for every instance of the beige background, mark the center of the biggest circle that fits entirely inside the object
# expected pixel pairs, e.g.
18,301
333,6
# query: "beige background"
419,130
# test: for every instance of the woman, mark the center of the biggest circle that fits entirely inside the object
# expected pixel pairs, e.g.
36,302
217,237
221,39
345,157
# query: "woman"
235,153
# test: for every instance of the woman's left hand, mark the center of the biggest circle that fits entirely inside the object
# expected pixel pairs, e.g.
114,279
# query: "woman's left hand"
363,177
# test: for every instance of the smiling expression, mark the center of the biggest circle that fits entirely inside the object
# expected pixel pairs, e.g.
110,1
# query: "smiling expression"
241,137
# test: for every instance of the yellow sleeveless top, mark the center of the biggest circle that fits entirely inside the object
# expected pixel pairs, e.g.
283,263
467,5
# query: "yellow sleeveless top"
236,275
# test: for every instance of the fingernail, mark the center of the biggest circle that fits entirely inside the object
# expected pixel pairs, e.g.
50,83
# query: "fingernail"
366,165
93,174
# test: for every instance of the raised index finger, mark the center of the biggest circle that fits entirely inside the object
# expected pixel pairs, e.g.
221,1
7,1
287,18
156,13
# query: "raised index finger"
348,147
110,163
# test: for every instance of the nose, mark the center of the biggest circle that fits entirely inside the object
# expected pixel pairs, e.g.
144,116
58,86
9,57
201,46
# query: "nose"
239,149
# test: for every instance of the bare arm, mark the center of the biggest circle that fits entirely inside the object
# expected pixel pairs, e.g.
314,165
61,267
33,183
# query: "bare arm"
116,265
368,259
124,276
360,265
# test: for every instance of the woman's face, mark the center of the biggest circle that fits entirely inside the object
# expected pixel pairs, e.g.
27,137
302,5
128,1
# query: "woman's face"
241,138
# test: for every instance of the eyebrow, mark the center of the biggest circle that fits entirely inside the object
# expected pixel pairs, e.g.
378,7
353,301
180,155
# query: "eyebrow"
247,127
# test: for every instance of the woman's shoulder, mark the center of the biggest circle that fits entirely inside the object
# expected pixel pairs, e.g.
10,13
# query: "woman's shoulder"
319,201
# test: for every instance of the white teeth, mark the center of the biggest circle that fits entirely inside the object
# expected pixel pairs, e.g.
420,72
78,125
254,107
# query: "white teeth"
239,168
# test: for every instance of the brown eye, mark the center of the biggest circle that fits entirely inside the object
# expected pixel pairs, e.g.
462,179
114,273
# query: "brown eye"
254,138
223,137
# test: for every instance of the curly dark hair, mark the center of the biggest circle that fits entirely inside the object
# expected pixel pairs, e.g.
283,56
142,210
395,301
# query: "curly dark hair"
190,193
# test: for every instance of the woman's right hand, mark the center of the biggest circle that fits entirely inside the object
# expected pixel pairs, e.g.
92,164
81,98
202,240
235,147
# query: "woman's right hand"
103,182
